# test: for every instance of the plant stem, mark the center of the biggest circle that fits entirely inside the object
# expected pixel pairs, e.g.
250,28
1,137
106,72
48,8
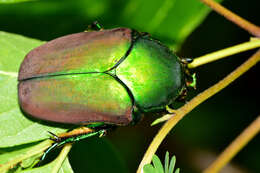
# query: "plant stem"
235,147
246,25
224,53
60,159
181,112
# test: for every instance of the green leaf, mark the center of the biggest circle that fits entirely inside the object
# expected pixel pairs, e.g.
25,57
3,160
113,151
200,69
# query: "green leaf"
9,154
53,167
172,164
166,162
31,161
65,168
15,127
13,1
177,170
157,164
149,169
26,155
86,155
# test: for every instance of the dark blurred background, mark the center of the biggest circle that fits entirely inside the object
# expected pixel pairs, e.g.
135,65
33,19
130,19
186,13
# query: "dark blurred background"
204,132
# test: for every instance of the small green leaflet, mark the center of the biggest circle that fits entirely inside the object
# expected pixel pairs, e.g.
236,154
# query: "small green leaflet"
157,166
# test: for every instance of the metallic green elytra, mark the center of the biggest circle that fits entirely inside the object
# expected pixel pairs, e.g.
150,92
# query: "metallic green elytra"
98,80
109,76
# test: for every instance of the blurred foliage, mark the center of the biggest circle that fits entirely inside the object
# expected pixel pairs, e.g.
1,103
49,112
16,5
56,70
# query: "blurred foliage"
209,128
13,1
170,20
157,167
96,155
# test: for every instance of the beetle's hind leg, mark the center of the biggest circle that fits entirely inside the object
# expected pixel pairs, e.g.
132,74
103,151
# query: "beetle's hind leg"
78,134
72,133
73,136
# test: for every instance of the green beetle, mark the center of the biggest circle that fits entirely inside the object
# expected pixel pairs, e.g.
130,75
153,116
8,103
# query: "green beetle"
99,79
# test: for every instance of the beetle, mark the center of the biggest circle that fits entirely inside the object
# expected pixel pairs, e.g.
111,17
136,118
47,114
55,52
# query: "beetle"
99,79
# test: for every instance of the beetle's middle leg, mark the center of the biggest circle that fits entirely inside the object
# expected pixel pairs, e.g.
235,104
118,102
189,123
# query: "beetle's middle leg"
170,110
79,134
75,135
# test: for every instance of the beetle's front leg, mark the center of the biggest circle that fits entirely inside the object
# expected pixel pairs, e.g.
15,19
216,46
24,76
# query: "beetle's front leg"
170,110
95,26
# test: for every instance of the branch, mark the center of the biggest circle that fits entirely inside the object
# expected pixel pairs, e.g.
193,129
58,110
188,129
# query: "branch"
181,112
205,59
235,147
246,25
60,159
